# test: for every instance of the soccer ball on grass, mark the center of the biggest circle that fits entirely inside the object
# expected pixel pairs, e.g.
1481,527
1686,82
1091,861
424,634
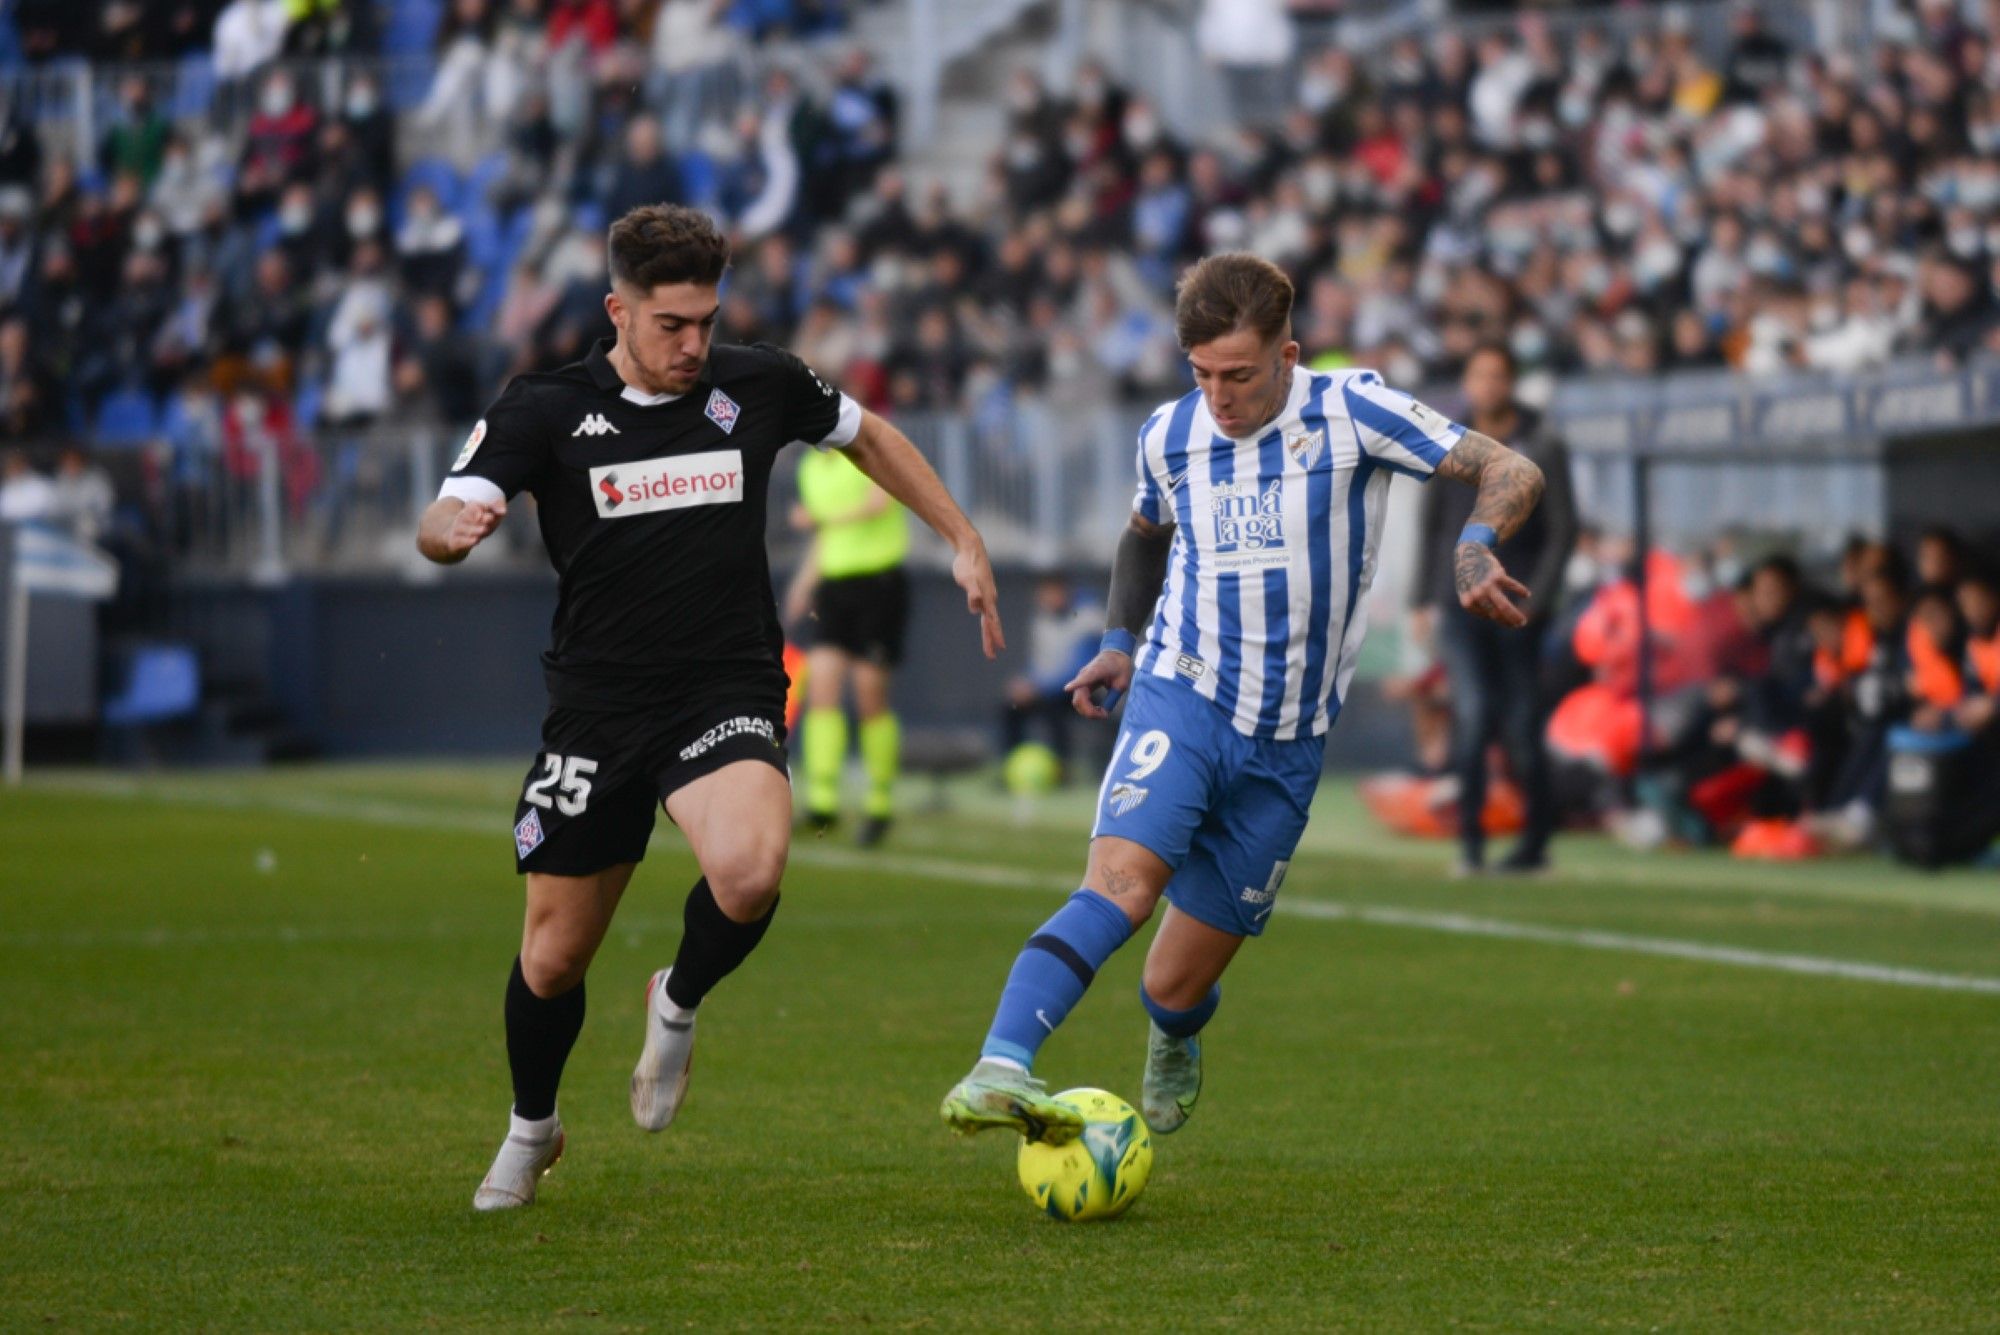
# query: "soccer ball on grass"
1100,1173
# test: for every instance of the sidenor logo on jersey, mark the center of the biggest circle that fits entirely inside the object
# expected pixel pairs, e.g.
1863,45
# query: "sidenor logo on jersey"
594,425
672,483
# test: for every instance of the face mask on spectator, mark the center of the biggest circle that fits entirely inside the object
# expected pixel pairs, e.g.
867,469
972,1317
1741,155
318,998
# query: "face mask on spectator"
1141,131
1321,184
1765,256
1574,107
1538,132
363,219
1622,217
1979,191
361,103
147,233
1964,242
276,100
1530,342
294,218
1858,242
1985,136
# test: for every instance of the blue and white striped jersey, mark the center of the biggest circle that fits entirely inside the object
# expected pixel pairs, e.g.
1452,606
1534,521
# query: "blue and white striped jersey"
1264,606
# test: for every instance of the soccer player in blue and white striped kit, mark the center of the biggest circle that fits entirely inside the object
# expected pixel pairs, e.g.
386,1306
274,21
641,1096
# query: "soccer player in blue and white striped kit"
1236,612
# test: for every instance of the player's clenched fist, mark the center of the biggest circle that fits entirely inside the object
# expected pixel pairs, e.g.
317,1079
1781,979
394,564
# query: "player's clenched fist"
451,527
472,525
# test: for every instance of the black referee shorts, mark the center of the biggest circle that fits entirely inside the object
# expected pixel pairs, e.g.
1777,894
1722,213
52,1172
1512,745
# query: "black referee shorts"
864,615
600,779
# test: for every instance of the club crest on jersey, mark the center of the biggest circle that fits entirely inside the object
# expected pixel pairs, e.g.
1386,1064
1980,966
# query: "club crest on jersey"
1126,797
528,834
472,443
594,424
1306,444
1249,524
722,411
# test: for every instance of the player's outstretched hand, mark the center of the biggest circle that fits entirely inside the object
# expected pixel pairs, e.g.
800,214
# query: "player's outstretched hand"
1109,672
474,521
1486,590
971,571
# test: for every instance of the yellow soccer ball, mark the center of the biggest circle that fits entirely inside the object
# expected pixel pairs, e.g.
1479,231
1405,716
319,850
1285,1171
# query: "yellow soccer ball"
1031,769
1099,1174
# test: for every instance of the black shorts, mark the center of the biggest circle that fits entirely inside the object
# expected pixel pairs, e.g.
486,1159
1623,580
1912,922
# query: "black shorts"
864,615
591,796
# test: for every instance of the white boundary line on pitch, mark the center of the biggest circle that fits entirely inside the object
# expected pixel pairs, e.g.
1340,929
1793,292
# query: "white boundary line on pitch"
1009,878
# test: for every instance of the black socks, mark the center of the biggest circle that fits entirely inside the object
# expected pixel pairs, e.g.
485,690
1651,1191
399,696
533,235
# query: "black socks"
712,945
540,1033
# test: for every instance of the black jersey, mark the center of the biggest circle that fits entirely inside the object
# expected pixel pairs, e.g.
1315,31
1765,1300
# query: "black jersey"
653,511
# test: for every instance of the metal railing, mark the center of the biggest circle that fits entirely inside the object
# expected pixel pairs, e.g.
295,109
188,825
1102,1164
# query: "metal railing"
1052,487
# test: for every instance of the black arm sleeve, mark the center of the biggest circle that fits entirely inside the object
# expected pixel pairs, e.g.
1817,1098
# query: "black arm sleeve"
811,406
510,445
1138,569
1430,547
1558,509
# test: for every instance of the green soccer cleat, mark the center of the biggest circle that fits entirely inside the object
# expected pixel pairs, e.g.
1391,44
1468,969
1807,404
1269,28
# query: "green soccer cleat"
995,1094
1173,1080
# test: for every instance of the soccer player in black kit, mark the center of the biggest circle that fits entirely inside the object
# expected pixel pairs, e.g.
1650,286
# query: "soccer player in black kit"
649,462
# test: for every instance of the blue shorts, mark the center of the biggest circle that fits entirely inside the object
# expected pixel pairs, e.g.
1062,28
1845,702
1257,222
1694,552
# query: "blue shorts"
1223,810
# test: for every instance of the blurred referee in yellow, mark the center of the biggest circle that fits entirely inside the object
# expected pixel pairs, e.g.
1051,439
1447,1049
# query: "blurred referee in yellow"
853,583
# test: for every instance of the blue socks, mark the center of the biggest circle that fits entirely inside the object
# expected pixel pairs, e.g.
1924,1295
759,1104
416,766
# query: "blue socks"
1182,1024
1051,973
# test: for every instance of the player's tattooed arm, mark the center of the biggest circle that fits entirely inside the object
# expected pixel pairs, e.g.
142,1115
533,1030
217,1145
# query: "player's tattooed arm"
1509,486
1138,569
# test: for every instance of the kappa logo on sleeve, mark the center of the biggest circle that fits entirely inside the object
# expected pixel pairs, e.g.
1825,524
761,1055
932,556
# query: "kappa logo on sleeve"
472,443
722,411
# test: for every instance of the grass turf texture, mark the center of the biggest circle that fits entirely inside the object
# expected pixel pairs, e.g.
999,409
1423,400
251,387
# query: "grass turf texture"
254,1071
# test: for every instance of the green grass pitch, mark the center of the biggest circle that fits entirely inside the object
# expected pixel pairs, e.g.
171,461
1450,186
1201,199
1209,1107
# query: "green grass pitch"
253,1071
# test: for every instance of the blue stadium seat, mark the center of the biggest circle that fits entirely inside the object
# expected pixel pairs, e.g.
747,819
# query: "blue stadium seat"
127,416
194,87
441,177
163,682
306,404
700,180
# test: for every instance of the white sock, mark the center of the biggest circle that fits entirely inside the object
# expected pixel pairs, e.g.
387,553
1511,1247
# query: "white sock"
1007,1062
518,1125
664,1004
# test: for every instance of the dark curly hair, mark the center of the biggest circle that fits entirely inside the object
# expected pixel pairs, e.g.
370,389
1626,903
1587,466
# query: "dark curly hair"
666,243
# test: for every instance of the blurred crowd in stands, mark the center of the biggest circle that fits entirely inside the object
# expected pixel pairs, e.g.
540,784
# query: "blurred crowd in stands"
1791,716
296,249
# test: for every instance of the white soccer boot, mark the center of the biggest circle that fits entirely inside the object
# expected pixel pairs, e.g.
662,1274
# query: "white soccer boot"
517,1170
660,1080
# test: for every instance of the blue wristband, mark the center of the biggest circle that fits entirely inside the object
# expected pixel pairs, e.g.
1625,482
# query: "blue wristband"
1119,639
1482,534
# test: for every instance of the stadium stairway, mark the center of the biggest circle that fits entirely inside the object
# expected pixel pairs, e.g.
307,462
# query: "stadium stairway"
980,43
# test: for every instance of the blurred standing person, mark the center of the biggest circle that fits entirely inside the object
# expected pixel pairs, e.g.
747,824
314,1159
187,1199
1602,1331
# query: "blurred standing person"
853,583
1495,674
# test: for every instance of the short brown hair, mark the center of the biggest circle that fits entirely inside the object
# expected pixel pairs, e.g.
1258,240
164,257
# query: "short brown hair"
1231,291
666,243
